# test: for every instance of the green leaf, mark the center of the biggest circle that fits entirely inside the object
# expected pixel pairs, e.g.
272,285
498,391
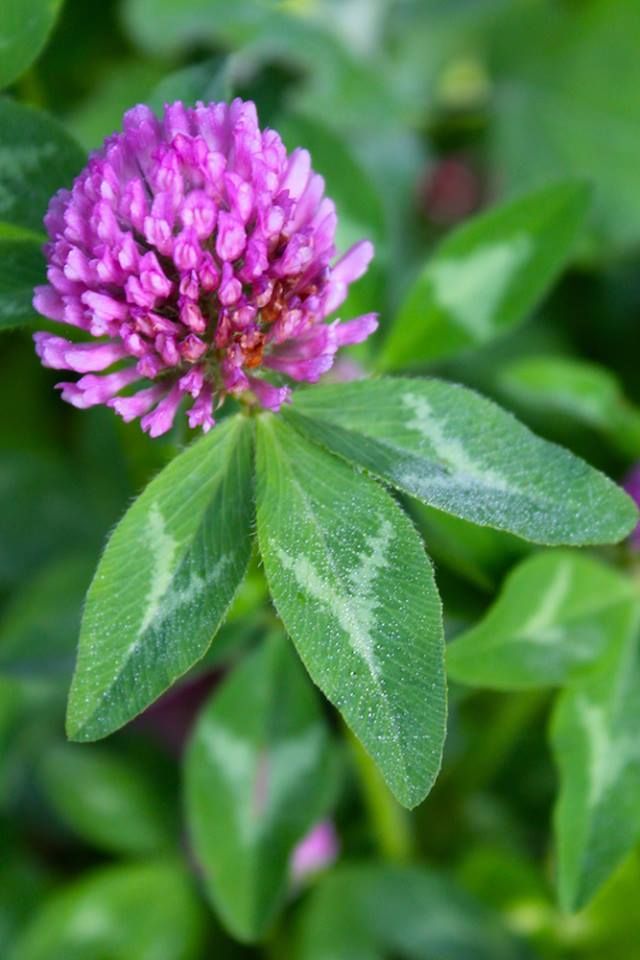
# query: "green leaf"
566,102
459,452
107,799
119,913
165,582
479,554
22,267
39,628
355,590
38,157
487,276
374,912
554,615
256,782
594,736
24,29
584,391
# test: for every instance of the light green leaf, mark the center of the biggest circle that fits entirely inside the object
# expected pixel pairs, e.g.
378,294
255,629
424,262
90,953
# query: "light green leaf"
355,590
257,780
584,391
371,913
37,158
24,29
119,913
165,582
487,276
555,614
566,102
22,267
39,628
107,799
594,736
459,452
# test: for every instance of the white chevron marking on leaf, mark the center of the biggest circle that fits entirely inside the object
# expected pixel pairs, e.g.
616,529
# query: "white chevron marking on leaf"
355,607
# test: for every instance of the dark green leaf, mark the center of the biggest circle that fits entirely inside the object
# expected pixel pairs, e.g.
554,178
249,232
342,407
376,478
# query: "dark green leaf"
39,628
487,276
555,614
165,582
459,452
22,267
107,800
257,780
24,29
38,157
119,913
355,590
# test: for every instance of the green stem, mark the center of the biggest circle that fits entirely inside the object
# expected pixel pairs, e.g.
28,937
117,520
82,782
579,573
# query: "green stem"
389,822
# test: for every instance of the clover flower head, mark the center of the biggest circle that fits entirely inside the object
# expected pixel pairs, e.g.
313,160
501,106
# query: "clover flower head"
197,254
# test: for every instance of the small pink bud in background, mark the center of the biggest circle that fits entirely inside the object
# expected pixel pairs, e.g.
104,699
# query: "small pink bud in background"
318,850
451,191
632,486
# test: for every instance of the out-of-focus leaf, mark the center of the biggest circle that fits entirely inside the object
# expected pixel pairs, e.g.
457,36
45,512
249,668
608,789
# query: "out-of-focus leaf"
206,81
556,613
567,103
22,267
120,913
258,776
462,454
479,554
39,628
331,157
584,391
356,592
45,507
487,276
24,884
594,736
101,114
107,800
24,29
165,581
38,157
371,913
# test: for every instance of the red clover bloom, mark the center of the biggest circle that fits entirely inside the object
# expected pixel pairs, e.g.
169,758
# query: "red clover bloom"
197,254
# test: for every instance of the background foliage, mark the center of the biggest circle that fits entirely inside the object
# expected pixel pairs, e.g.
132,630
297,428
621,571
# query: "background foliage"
420,115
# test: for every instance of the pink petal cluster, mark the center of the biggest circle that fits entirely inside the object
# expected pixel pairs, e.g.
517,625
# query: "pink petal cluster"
197,254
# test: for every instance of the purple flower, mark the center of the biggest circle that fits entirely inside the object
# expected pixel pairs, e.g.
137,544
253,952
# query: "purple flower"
632,486
197,254
316,851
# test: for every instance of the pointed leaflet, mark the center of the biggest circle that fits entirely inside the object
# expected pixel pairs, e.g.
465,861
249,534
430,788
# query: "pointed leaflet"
258,776
487,276
594,736
554,615
457,451
167,577
355,590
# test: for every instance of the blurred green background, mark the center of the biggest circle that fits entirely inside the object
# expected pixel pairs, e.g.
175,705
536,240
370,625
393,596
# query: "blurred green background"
419,113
